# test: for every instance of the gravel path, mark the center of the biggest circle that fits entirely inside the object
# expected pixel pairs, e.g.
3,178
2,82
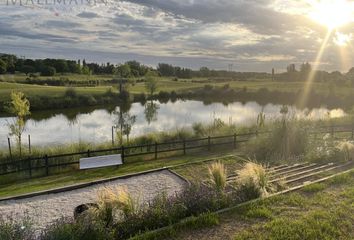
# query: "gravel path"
47,208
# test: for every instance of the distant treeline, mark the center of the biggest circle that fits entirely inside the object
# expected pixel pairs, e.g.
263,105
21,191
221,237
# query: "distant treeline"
305,72
133,69
50,67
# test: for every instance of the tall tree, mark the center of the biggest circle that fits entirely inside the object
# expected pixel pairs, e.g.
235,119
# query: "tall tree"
20,107
151,83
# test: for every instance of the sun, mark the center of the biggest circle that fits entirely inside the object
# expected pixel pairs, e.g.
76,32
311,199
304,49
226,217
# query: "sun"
332,13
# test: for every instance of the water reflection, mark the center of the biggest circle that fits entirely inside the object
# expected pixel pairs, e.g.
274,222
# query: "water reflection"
150,112
95,125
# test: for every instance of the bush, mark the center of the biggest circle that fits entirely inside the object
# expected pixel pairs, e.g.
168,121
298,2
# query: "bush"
163,210
287,139
48,71
163,95
199,129
70,92
83,228
16,230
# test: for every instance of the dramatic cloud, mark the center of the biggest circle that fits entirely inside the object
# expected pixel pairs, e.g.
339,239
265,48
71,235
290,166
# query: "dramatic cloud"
254,35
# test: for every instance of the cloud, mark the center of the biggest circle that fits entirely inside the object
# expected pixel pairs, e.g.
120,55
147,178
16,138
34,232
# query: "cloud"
254,35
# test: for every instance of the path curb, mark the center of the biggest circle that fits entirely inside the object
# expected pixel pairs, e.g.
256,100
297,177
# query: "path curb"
88,184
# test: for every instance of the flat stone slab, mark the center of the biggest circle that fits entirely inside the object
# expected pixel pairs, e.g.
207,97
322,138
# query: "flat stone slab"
47,208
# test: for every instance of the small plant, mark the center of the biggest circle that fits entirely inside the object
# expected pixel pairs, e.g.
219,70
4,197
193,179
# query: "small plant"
253,180
217,174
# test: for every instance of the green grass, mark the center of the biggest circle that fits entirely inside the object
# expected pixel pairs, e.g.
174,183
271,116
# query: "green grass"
326,213
50,91
164,84
201,221
76,177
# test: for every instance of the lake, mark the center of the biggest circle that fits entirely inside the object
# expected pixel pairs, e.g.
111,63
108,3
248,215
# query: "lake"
51,128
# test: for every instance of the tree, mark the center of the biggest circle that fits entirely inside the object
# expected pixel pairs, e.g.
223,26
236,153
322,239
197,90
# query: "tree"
151,83
305,68
291,68
2,67
123,71
27,69
204,72
129,121
20,107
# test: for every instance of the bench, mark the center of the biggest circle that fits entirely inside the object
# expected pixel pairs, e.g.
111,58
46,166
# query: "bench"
101,161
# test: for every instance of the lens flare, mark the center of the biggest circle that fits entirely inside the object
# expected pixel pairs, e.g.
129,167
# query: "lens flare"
308,84
332,13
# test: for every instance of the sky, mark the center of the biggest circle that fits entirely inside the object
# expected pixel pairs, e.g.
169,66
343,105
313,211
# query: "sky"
252,35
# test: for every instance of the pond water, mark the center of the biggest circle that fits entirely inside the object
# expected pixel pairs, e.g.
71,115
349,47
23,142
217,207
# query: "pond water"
50,128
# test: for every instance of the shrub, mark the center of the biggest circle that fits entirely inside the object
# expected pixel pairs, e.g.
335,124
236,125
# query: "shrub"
16,230
84,228
217,174
199,129
286,139
164,95
70,92
163,210
48,71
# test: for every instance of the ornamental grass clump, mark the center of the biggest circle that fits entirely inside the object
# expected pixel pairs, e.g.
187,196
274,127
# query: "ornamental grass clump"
111,202
347,149
253,181
218,176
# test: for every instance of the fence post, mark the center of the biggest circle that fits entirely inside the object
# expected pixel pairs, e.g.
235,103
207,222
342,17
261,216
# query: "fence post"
155,150
88,153
9,142
235,141
30,167
46,165
209,145
29,144
122,154
112,135
184,146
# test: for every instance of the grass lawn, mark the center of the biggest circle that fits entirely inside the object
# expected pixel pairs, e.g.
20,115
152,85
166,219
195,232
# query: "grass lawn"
50,91
164,84
76,177
318,211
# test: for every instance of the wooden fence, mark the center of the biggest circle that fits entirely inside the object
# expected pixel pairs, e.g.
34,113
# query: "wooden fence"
43,165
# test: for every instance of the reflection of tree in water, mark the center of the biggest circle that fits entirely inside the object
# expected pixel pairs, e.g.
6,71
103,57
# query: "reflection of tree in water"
124,121
151,111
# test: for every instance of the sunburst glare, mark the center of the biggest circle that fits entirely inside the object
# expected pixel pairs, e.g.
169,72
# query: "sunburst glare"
332,13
